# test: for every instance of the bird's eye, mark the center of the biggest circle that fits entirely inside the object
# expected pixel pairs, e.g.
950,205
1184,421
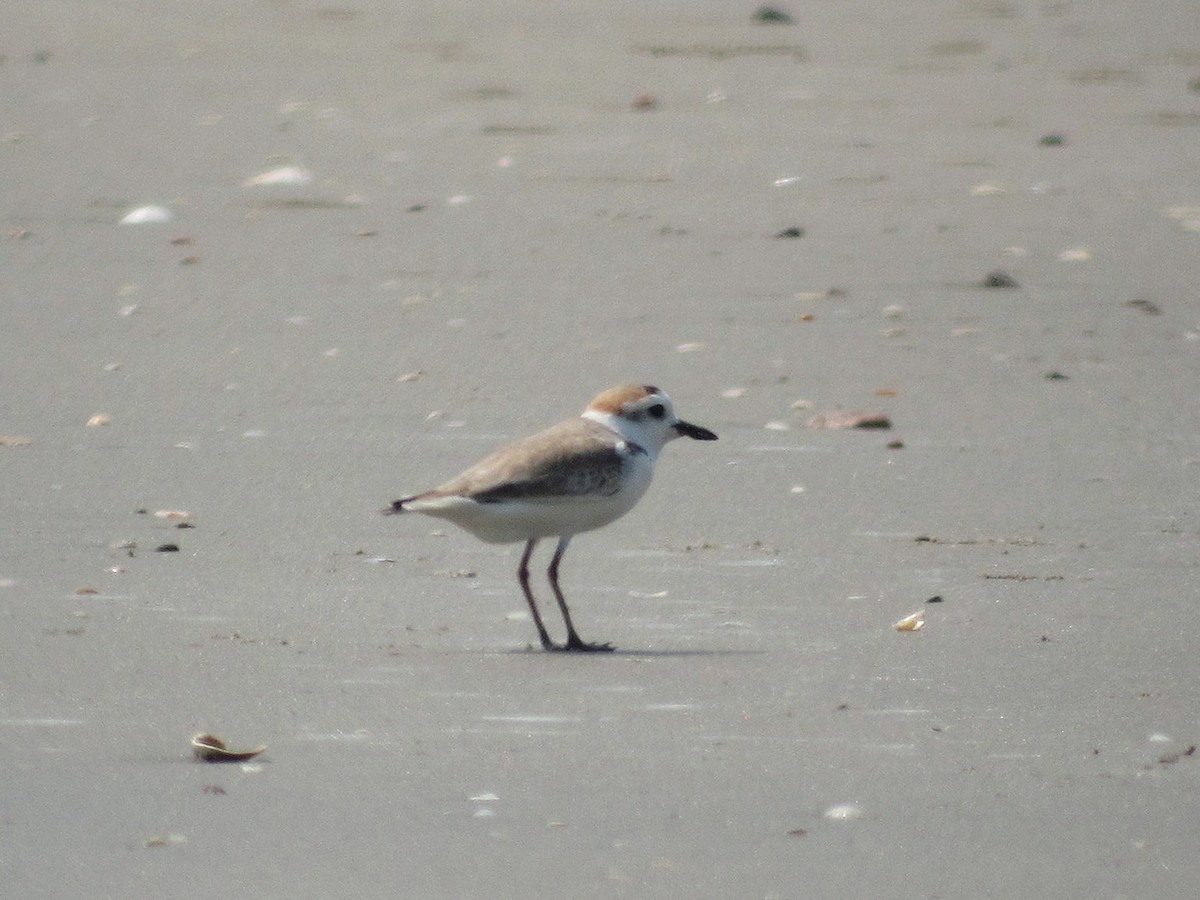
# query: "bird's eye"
657,411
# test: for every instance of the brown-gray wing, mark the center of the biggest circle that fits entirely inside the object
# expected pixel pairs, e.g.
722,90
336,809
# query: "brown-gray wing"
568,460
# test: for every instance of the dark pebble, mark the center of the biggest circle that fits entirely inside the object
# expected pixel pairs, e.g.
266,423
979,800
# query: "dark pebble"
999,279
1052,140
792,232
1057,376
167,548
772,16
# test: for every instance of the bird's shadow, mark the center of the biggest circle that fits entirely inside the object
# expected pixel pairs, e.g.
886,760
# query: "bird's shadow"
636,653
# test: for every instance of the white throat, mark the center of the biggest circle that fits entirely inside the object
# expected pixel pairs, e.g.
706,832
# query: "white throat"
627,430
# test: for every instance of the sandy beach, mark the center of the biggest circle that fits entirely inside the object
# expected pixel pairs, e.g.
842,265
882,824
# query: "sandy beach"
268,266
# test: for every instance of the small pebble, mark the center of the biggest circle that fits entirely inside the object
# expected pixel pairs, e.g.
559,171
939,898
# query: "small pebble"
770,15
999,279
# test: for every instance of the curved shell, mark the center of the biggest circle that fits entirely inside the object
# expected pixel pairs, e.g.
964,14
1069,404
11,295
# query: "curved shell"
210,748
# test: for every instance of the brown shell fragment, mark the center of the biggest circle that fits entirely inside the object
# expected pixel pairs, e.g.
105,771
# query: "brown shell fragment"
850,420
210,748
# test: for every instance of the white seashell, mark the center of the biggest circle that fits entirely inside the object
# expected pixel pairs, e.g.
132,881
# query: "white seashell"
915,622
284,175
843,812
147,215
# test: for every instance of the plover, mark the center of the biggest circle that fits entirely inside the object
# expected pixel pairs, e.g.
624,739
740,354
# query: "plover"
576,476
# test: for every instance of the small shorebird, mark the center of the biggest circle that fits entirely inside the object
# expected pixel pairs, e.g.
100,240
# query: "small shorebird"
576,476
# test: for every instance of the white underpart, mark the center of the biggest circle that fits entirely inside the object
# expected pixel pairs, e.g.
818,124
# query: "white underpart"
514,519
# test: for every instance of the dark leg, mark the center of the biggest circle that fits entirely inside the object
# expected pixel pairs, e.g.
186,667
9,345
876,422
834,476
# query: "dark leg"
574,642
523,577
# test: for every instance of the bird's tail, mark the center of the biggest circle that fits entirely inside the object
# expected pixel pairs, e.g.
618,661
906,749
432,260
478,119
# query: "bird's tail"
396,508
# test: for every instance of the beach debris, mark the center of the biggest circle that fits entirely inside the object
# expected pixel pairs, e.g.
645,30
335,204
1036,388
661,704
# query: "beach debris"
1052,140
691,347
793,232
215,789
915,622
172,514
1056,376
770,15
644,102
776,426
1169,759
895,445
1075,254
99,420
850,420
998,278
843,812
83,591
15,440
147,215
284,175
935,599
1188,217
168,840
1149,307
210,748
167,548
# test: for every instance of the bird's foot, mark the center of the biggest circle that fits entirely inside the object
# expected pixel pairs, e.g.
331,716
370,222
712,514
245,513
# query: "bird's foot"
575,644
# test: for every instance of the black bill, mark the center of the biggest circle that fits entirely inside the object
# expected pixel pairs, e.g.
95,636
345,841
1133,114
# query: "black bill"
695,432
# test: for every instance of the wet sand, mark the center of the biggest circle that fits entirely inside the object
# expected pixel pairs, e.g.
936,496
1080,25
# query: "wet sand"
495,228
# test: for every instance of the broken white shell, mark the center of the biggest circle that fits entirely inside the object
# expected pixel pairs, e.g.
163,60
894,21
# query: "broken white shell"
915,622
